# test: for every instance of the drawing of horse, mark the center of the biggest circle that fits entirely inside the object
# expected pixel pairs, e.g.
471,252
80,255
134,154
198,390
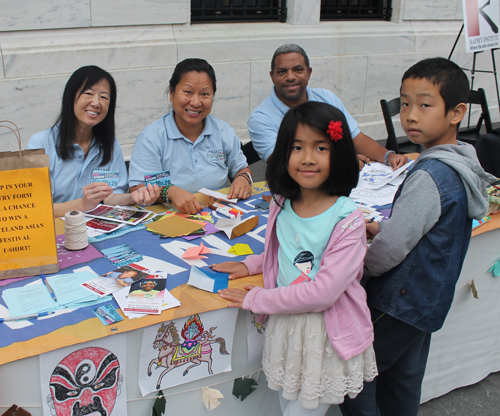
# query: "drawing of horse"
196,348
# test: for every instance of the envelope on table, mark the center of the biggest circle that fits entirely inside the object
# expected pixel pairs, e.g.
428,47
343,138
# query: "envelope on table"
207,279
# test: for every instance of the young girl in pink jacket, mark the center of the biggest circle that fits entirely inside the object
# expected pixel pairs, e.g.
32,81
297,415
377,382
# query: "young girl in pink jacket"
318,344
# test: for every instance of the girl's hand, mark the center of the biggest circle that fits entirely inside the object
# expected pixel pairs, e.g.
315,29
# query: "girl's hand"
235,269
146,195
237,296
240,188
93,193
184,201
372,229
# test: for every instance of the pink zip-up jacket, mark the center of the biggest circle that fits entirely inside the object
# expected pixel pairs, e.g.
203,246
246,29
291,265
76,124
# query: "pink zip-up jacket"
336,290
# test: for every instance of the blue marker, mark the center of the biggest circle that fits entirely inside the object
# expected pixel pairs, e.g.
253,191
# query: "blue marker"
18,318
46,283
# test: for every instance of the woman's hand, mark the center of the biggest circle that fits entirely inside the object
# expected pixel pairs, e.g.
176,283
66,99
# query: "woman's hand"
146,195
240,188
184,201
235,269
372,229
93,193
237,296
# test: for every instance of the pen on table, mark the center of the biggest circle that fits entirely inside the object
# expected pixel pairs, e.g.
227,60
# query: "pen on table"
46,283
19,318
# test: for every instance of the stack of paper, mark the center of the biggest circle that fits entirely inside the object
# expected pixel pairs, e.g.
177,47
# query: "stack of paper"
122,255
378,183
35,298
115,280
138,300
175,224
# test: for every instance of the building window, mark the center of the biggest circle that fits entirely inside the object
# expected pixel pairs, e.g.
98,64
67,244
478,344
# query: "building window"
205,11
356,10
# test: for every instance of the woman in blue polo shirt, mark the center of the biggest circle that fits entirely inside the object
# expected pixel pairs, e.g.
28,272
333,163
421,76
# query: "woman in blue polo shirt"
82,142
199,150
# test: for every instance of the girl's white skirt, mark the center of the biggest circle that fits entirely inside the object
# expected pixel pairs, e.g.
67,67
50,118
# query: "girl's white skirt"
299,358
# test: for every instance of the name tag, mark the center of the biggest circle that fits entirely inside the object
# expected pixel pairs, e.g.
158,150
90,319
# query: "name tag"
215,155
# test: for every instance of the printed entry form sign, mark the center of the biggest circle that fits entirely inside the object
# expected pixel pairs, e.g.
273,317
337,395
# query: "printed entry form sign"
27,233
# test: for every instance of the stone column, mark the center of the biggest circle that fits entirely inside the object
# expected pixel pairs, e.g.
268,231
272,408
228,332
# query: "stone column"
303,12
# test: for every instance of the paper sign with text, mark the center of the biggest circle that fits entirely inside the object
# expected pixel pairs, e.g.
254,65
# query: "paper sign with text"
27,233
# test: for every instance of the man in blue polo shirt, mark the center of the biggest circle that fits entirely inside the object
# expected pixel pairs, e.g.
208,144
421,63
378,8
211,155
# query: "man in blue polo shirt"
290,72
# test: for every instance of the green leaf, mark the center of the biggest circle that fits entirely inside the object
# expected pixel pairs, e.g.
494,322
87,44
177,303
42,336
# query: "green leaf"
243,387
159,405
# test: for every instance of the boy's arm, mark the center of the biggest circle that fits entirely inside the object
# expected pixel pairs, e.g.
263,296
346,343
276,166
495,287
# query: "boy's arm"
415,212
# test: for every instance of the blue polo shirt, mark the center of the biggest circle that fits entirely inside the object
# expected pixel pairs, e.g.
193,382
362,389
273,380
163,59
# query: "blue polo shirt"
206,163
265,120
68,177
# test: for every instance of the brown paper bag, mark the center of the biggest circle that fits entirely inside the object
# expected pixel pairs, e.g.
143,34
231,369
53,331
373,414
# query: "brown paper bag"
27,232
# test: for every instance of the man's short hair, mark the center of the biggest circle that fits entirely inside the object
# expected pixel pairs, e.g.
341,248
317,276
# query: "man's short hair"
451,79
289,48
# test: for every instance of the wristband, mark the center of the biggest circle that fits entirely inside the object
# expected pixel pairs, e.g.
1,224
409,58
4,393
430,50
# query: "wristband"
386,157
247,176
164,194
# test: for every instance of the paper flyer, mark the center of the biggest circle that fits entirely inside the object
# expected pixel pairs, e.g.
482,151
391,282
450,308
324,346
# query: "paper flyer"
115,280
119,214
146,296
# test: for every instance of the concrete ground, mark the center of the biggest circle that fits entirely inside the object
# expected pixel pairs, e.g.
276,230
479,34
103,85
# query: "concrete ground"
481,399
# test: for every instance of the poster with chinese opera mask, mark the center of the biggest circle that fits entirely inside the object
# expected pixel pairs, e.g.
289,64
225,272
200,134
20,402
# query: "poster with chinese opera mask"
186,349
85,379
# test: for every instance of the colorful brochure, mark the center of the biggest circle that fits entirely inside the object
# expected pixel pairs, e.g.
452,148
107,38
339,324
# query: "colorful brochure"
107,314
122,255
118,214
146,296
113,281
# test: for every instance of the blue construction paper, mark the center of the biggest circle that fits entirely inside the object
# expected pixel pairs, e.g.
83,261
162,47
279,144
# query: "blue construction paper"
207,279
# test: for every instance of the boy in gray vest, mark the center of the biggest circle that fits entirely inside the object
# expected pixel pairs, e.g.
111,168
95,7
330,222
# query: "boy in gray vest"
414,262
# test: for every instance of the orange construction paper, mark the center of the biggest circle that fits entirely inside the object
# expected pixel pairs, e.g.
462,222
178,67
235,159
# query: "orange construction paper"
174,226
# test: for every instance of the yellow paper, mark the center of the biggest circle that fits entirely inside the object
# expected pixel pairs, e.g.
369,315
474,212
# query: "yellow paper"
27,234
240,249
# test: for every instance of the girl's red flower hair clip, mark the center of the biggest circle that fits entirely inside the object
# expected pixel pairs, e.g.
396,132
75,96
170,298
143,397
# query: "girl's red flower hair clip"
335,130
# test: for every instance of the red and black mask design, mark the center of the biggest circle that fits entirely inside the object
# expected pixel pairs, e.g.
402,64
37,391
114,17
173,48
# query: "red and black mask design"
86,382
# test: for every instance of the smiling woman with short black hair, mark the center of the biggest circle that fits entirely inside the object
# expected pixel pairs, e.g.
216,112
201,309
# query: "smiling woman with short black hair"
199,150
82,141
